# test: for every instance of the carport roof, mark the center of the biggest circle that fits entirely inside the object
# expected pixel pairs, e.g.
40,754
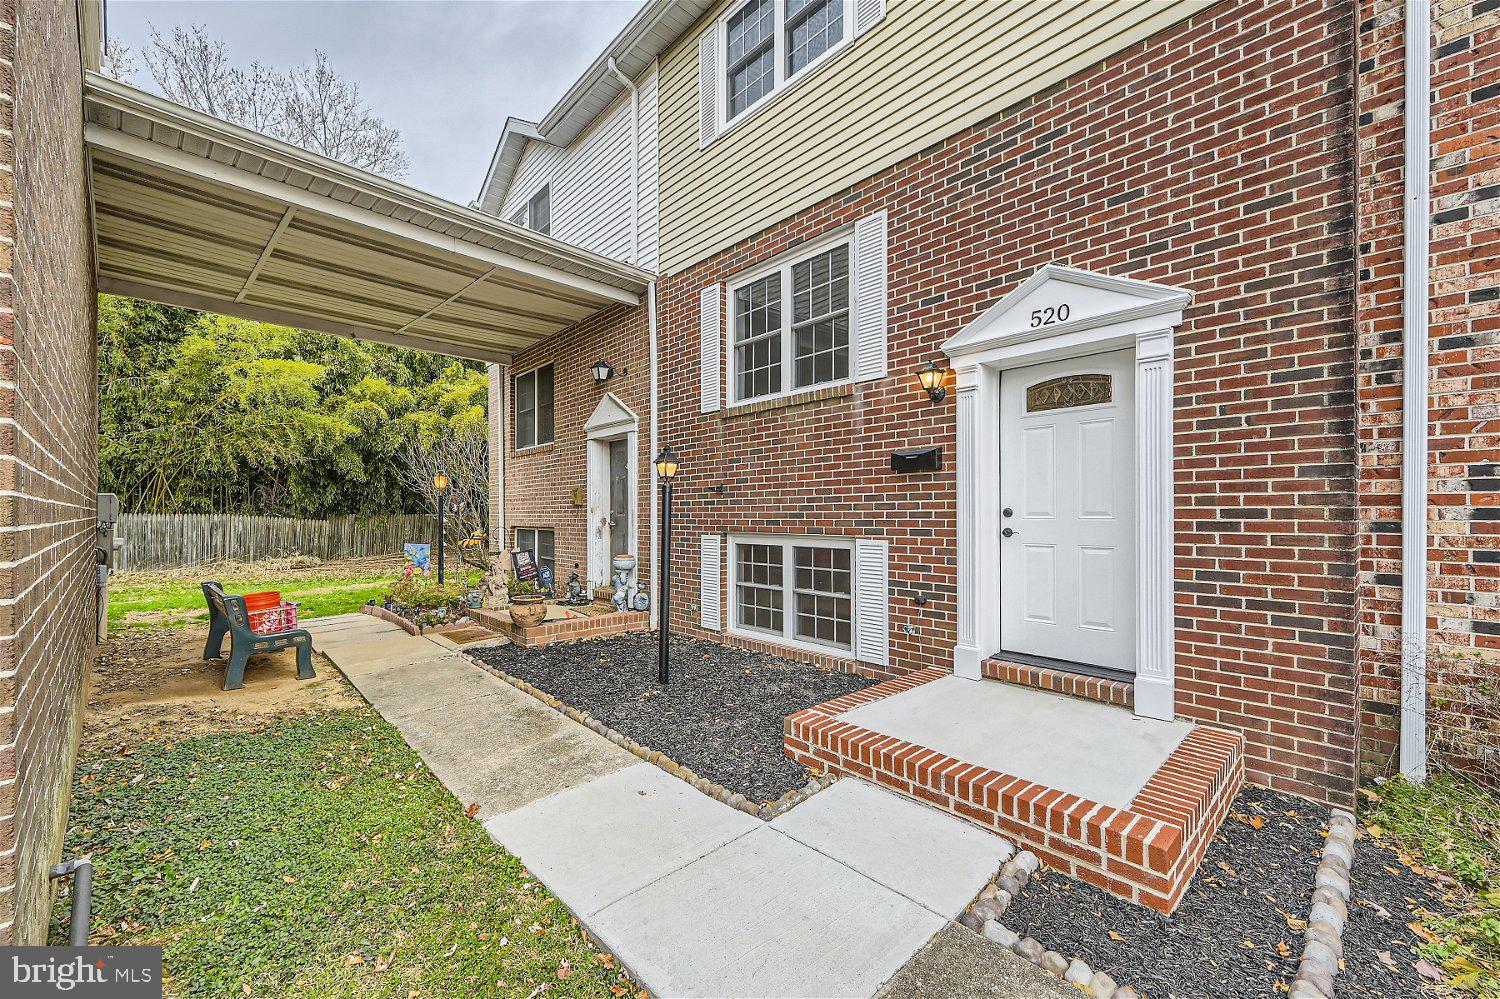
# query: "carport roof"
194,211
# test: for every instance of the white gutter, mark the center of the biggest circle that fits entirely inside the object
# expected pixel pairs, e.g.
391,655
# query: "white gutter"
1415,391
635,159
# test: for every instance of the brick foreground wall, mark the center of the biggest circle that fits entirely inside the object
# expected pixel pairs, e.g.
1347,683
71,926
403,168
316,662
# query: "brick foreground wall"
539,482
1216,156
48,450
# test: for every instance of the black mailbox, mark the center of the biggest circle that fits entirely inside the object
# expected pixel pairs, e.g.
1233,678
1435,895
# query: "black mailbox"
917,459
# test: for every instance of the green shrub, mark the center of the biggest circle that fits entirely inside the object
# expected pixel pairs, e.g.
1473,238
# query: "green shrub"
425,593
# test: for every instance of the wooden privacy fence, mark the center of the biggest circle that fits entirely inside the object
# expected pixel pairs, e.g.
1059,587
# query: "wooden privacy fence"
173,540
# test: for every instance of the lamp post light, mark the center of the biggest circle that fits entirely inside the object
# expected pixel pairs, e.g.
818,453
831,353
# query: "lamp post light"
666,471
440,483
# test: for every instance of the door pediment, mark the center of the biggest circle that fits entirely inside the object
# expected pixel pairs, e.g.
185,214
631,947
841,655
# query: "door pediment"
610,417
1058,301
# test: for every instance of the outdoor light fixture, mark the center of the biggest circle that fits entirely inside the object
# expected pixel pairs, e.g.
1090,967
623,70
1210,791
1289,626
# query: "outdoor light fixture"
930,377
666,471
603,371
440,483
666,464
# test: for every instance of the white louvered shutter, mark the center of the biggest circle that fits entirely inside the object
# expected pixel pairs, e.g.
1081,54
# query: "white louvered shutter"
867,14
870,297
710,584
710,349
708,85
872,599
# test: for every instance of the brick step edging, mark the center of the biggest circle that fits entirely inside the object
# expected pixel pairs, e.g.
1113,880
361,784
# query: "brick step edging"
1118,693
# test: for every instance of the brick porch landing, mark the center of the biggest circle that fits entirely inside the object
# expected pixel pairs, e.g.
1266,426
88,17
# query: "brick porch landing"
1125,803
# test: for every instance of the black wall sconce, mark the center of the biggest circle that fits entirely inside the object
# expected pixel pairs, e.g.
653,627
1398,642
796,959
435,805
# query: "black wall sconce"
604,371
930,377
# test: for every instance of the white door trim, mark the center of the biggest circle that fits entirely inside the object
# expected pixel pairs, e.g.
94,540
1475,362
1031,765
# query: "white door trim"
611,421
1076,313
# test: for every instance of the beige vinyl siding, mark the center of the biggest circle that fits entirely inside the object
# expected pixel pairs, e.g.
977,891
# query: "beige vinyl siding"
929,70
590,180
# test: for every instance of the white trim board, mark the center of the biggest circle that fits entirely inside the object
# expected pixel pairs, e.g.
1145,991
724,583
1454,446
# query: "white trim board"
1061,312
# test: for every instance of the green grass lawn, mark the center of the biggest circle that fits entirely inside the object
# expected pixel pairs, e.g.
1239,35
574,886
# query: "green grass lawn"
1453,826
154,601
317,858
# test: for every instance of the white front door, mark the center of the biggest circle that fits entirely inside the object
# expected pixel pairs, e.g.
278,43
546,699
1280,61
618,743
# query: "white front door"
1067,497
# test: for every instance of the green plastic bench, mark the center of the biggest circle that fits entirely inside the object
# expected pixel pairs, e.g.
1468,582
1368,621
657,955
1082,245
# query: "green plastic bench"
227,616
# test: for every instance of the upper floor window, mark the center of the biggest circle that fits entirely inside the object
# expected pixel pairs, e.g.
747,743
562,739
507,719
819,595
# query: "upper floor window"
537,213
790,327
767,43
534,407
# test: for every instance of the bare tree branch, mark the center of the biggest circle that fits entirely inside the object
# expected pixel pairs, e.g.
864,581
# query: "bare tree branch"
308,106
464,460
118,62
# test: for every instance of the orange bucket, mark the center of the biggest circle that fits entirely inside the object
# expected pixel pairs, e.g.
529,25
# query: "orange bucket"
263,600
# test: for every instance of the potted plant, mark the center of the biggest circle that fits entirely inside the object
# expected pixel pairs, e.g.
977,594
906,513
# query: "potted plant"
526,607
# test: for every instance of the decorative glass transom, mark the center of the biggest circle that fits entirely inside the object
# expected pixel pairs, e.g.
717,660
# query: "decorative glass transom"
1068,391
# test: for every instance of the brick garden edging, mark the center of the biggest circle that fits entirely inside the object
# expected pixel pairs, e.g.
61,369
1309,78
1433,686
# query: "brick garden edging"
1323,945
1146,852
657,758
564,630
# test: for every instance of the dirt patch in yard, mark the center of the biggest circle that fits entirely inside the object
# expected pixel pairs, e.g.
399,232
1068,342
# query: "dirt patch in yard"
154,685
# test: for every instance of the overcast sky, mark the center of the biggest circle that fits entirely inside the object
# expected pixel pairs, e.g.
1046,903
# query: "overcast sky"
445,74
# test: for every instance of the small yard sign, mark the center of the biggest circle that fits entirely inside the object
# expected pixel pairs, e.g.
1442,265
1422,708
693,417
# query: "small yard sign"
418,557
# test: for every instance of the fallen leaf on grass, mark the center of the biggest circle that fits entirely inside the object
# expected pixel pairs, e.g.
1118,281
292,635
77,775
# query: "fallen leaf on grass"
472,810
350,960
1426,970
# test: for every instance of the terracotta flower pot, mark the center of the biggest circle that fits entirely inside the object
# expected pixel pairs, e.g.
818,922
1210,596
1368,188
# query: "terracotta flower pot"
527,610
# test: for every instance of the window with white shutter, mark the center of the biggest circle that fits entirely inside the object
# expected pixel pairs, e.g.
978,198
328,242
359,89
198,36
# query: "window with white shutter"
819,594
710,348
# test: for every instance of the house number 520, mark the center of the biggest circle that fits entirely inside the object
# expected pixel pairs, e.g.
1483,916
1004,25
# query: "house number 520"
1050,315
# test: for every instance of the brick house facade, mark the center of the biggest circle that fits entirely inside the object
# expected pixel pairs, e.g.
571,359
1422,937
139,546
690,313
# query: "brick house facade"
48,456
1250,155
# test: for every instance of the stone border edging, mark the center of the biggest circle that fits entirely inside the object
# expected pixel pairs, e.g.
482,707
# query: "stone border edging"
1323,939
659,759
410,627
983,917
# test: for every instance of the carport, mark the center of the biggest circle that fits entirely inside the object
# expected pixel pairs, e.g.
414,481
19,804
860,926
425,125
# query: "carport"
194,211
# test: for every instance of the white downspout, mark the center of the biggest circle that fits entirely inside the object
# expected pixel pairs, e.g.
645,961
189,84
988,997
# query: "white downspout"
1415,392
635,157
635,258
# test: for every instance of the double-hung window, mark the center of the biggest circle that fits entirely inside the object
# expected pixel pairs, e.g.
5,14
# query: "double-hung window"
791,327
534,407
540,540
796,590
768,43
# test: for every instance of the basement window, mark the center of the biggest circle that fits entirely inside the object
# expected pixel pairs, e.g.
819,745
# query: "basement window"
540,540
533,393
799,591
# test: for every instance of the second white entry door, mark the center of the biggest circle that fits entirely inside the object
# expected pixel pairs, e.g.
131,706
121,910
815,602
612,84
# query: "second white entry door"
1067,498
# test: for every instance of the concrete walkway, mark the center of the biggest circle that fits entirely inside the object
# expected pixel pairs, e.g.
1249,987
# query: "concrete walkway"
696,898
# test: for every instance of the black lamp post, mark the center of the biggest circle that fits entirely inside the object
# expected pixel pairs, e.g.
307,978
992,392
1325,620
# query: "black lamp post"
666,470
440,483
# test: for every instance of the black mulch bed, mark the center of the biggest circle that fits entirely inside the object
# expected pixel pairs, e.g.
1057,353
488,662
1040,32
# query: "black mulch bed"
721,714
1254,887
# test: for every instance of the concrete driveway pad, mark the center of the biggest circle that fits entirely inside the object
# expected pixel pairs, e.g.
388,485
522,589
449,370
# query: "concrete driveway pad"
765,916
932,858
600,841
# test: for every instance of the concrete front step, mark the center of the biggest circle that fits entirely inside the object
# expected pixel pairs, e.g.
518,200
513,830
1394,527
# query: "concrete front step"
1125,803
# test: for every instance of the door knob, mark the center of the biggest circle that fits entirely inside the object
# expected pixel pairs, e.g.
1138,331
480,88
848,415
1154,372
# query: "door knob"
1007,533
1007,512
